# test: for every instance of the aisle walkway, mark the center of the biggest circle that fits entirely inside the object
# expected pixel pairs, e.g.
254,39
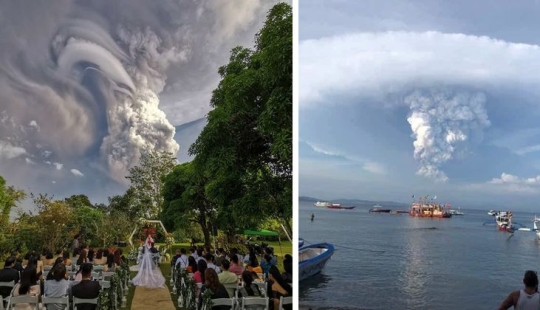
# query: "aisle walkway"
152,298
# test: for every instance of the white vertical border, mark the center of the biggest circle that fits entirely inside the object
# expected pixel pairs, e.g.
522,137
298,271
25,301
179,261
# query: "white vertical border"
295,203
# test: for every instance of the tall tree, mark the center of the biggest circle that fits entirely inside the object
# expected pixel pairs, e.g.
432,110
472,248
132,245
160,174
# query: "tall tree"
245,149
185,200
78,201
146,180
9,196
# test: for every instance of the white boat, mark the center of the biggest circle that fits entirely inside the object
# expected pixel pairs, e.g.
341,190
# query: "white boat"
456,212
322,204
493,212
313,258
536,220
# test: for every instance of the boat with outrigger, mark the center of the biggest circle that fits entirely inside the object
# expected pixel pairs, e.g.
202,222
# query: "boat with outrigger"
535,228
425,207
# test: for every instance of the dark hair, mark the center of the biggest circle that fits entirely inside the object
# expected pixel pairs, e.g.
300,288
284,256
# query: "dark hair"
199,252
57,261
10,261
247,278
192,263
530,279
274,271
82,258
86,269
234,259
201,267
211,280
76,252
59,272
225,264
110,260
99,254
183,250
66,255
76,236
28,278
117,257
49,255
287,265
58,252
267,258
32,261
91,255
106,252
253,262
208,257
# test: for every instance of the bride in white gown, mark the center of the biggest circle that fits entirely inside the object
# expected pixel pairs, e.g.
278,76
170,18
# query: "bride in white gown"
149,275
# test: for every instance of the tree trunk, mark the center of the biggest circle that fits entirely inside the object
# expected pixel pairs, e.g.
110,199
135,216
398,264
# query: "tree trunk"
288,227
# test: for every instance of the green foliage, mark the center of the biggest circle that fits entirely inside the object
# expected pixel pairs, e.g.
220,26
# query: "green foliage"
9,196
78,201
146,180
245,150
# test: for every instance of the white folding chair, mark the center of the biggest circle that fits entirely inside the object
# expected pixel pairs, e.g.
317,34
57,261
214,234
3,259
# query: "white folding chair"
284,301
96,276
98,268
106,274
47,268
55,300
78,301
231,286
1,303
221,302
262,288
11,285
260,301
23,299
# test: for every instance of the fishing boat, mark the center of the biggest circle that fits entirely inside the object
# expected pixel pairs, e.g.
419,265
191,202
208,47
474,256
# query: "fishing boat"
535,227
425,208
504,221
493,212
338,206
322,204
313,258
379,209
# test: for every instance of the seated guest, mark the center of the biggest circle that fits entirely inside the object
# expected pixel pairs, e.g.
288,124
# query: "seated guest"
58,253
100,259
182,260
198,275
91,255
211,283
277,287
287,265
86,289
67,260
8,274
82,258
253,264
57,286
110,266
235,266
28,286
192,265
18,261
58,261
176,257
33,262
210,262
221,257
227,277
49,258
249,289
265,263
76,253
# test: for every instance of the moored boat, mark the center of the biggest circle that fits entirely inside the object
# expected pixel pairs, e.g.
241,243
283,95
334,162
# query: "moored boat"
504,221
379,209
493,212
456,212
338,206
313,258
322,204
300,242
426,208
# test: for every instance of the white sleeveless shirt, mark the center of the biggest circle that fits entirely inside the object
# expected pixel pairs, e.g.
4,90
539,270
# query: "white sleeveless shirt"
528,302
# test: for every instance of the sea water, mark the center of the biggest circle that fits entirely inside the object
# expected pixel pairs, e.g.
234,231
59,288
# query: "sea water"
385,261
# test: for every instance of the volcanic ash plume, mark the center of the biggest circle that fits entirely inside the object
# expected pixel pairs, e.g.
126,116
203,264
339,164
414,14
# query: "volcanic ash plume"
441,122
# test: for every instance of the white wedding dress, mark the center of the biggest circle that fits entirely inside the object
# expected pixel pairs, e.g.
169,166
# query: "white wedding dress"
149,275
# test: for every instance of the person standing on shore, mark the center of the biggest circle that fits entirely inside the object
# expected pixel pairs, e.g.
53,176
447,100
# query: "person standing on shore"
527,298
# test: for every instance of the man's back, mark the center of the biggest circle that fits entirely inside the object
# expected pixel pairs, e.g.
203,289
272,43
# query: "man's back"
528,302
86,289
8,275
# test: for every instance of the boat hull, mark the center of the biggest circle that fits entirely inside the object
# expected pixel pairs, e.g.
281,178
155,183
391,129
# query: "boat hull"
442,215
340,207
313,258
380,210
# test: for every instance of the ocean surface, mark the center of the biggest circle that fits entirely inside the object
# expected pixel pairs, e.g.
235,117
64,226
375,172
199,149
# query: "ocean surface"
456,263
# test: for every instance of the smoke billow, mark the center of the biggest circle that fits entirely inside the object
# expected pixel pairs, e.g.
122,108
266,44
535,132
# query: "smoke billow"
440,122
81,80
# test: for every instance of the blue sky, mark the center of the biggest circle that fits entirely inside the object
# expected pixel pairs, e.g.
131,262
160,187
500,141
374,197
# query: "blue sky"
420,97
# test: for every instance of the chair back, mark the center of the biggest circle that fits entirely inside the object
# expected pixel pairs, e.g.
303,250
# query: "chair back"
107,274
1,303
221,302
96,276
98,268
64,300
23,299
255,301
105,284
284,301
231,286
78,301
47,268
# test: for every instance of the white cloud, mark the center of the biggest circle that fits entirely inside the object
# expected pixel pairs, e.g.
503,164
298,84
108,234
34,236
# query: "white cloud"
375,64
59,166
324,150
528,149
374,168
29,161
77,172
34,125
512,183
9,151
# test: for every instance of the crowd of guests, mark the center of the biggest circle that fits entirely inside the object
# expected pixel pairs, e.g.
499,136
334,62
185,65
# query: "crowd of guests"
214,269
49,274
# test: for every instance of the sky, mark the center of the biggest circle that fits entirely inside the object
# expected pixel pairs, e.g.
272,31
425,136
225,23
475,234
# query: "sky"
438,98
86,87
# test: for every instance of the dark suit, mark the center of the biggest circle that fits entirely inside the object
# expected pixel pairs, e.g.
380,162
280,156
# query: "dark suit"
221,293
8,275
86,289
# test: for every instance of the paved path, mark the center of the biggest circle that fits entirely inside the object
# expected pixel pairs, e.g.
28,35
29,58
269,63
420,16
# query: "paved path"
152,298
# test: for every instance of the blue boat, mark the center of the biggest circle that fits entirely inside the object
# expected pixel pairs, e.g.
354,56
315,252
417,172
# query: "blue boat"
313,258
300,242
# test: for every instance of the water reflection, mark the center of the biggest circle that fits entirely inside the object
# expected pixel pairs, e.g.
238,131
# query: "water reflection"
311,285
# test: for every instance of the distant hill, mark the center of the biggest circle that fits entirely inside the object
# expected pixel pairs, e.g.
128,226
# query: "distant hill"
360,203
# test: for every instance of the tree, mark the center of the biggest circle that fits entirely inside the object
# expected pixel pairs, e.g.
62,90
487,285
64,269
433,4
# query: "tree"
77,201
128,204
9,196
245,150
146,180
185,200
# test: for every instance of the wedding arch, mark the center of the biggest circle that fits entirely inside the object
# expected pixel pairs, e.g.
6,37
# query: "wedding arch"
142,222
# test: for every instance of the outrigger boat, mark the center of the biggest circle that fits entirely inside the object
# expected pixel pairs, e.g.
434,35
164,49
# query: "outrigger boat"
379,209
313,258
535,227
504,221
338,206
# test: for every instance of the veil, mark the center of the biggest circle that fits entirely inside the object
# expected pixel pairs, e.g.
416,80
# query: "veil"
148,275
